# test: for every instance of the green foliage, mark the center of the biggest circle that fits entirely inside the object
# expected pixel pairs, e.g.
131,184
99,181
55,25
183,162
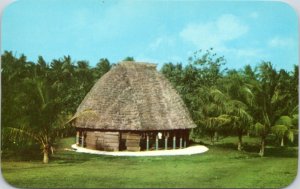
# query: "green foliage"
128,58
285,128
101,68
38,98
280,130
284,120
229,102
295,120
259,128
221,102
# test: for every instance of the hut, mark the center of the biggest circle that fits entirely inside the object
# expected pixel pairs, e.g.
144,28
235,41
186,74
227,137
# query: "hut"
132,107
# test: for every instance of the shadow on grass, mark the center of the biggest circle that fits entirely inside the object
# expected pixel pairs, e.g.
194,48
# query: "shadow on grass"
70,157
253,149
270,151
21,156
230,146
281,152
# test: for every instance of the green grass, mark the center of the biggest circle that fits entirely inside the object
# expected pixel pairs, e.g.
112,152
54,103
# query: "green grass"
221,167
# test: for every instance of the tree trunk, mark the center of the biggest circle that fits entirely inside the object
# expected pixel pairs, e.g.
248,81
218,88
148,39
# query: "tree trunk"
262,147
46,156
46,151
282,142
212,140
240,143
216,136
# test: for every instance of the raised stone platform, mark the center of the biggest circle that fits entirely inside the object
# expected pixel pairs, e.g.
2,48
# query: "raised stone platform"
185,151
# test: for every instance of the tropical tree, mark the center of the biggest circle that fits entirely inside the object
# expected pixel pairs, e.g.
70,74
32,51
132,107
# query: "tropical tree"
34,98
210,113
266,102
14,71
45,122
101,68
284,129
174,73
197,83
239,119
128,58
238,105
42,96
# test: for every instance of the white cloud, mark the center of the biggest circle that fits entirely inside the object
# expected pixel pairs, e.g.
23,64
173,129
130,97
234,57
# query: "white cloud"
215,33
219,34
162,42
111,19
254,15
278,42
245,52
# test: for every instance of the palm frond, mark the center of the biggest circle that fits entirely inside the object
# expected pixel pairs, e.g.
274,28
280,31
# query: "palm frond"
259,128
290,135
279,130
284,120
21,132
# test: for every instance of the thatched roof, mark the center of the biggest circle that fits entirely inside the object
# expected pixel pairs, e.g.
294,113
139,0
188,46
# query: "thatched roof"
133,96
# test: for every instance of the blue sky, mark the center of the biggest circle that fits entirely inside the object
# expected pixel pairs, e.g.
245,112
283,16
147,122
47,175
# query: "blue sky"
157,31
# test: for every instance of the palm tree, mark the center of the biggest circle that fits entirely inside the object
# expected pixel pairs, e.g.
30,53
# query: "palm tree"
266,109
128,58
240,99
240,119
174,74
44,123
211,112
101,68
284,129
13,104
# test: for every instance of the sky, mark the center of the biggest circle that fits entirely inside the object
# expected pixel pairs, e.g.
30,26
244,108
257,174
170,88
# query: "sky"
156,31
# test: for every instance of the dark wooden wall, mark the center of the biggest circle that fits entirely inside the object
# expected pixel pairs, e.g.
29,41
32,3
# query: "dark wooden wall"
134,141
107,141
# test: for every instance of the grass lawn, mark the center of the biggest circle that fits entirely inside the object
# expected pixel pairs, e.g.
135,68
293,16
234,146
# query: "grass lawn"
222,166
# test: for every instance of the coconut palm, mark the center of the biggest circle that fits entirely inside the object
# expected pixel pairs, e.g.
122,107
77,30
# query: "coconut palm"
240,119
213,110
44,123
101,68
14,71
240,99
284,129
266,109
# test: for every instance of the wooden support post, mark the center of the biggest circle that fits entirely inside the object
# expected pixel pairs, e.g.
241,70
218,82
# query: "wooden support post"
82,140
184,143
77,138
186,138
147,145
156,143
174,142
166,143
180,143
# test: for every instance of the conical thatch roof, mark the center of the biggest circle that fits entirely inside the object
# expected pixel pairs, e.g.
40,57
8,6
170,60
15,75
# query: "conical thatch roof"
133,96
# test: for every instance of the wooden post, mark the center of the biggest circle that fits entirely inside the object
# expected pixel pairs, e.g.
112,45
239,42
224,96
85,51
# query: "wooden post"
184,143
174,142
156,143
82,140
147,145
166,143
180,143
77,138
